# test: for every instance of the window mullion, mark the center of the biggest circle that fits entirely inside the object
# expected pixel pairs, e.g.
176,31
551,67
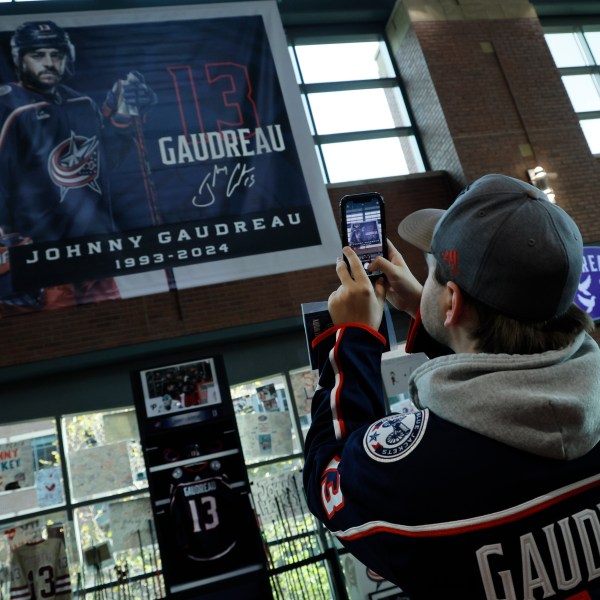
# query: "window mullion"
355,136
346,86
330,70
567,71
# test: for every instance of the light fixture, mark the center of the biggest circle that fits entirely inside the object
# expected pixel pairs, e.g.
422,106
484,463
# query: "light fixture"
541,180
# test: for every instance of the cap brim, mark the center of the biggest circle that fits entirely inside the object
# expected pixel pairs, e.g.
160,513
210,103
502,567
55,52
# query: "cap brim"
417,229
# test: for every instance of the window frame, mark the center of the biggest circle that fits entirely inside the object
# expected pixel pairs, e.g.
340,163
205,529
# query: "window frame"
299,36
592,68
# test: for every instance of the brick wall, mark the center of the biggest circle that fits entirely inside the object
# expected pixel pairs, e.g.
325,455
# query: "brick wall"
427,110
488,98
89,328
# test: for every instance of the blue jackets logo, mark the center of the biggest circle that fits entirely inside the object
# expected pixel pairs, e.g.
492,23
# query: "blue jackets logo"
74,164
395,436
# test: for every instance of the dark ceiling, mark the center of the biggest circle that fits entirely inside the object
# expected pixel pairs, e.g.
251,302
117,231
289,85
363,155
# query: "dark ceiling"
312,12
552,8
300,12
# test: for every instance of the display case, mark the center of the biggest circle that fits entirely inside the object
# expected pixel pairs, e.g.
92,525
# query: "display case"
199,489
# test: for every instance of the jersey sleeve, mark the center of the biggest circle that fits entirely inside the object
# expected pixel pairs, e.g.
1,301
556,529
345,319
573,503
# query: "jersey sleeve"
7,156
62,588
19,586
349,397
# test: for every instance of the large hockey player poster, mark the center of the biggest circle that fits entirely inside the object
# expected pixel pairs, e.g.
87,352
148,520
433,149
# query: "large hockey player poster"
151,149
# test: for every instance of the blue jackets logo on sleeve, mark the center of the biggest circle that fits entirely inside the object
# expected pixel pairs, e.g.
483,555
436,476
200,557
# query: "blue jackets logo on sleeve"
395,436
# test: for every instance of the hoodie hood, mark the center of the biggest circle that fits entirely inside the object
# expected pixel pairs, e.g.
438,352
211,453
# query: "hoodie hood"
546,404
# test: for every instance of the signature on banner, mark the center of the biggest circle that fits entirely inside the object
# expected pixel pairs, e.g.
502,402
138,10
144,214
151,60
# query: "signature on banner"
240,175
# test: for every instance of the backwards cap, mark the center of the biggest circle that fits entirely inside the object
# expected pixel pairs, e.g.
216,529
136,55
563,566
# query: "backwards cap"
505,244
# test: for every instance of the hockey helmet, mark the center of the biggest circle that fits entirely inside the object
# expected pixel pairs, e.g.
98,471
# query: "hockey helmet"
40,34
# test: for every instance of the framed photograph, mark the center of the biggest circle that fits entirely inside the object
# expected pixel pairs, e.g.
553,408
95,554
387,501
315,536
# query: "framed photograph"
180,387
396,369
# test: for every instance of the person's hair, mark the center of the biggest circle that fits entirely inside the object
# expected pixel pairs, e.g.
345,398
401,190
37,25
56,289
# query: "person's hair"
497,333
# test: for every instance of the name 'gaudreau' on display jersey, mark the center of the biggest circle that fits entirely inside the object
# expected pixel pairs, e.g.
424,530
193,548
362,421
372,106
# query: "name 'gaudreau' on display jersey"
204,509
202,513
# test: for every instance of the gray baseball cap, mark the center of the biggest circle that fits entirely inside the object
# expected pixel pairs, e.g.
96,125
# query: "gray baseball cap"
505,244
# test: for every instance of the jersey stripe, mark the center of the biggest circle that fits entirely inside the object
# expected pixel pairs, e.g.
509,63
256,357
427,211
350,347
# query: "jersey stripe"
27,107
14,114
20,593
461,526
334,399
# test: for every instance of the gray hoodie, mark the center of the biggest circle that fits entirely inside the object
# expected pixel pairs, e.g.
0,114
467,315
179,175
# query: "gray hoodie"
547,404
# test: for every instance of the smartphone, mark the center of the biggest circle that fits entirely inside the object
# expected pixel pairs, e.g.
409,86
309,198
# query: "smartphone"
362,218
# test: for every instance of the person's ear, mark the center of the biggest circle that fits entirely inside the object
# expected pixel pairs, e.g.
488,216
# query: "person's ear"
455,304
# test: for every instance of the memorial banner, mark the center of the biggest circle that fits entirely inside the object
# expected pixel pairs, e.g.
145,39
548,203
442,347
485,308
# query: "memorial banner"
144,150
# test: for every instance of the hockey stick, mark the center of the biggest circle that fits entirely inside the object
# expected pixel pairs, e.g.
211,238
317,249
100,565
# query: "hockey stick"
149,186
271,564
307,532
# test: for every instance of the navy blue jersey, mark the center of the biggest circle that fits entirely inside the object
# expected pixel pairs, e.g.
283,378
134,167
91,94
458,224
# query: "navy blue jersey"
53,177
205,514
509,525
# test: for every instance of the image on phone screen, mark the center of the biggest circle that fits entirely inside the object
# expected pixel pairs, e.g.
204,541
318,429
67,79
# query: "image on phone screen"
364,229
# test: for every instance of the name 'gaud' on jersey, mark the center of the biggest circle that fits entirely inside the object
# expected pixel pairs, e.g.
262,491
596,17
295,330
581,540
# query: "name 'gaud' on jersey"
198,147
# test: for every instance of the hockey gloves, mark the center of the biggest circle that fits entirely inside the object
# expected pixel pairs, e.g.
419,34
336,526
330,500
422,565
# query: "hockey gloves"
129,99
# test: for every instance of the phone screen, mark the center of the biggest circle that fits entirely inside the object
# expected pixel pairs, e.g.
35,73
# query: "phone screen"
363,227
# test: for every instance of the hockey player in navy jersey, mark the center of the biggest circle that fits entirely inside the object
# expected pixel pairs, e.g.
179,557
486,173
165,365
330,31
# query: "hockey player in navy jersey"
54,173
490,490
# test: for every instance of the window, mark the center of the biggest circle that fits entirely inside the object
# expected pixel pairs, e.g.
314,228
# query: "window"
81,479
357,115
576,52
265,419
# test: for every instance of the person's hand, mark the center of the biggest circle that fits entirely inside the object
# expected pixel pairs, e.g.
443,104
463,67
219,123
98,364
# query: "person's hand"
404,290
357,300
